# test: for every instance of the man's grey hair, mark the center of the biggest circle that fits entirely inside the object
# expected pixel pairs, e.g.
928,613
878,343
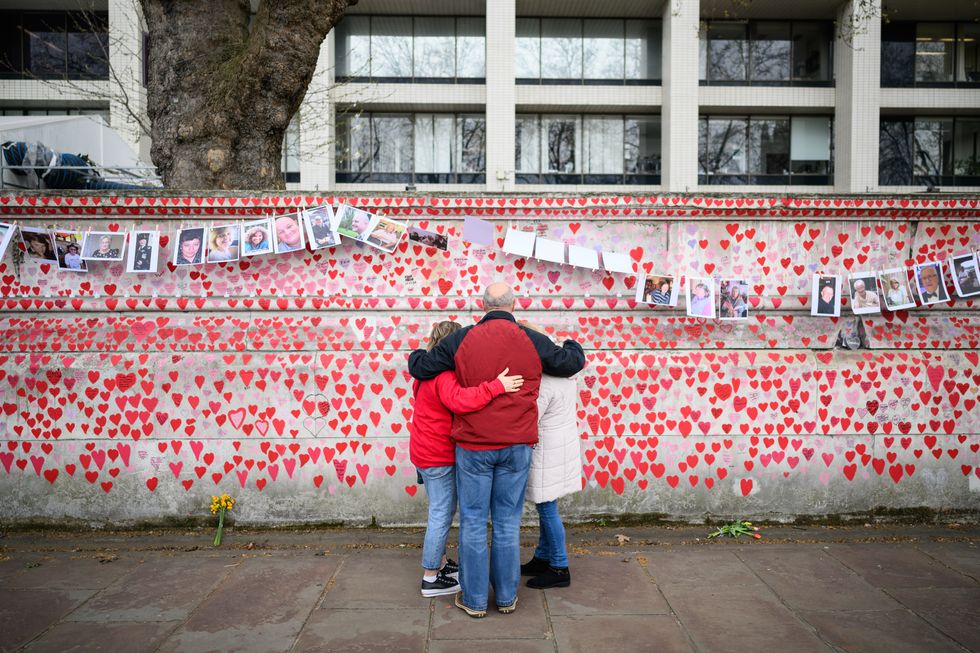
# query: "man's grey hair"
490,302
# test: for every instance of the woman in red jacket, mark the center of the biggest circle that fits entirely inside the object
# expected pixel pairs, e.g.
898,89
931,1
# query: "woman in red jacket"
433,453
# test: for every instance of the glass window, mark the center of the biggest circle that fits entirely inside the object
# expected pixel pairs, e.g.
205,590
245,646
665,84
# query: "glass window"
769,51
561,48
769,146
727,52
353,45
472,144
810,145
933,147
642,145
602,146
527,144
968,53
643,49
934,52
391,46
290,151
603,47
559,135
812,51
354,148
88,45
725,145
966,150
471,51
11,62
433,142
435,47
897,54
895,152
46,44
393,147
528,49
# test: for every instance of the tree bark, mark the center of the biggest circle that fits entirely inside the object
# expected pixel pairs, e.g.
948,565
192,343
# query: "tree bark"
224,83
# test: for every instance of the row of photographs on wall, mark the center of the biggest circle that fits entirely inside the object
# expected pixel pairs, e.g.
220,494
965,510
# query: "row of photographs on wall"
317,228
870,292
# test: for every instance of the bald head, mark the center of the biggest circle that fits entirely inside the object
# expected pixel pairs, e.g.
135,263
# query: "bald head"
498,297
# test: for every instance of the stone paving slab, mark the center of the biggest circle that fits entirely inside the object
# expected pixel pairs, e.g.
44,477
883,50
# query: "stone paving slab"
71,572
890,567
26,613
529,621
365,631
890,631
121,636
613,584
953,610
621,633
377,579
260,606
964,557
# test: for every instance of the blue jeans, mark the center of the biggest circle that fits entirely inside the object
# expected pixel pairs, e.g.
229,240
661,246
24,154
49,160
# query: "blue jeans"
440,486
551,542
490,484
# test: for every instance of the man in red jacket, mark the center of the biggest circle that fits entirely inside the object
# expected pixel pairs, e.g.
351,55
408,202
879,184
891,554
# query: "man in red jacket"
493,445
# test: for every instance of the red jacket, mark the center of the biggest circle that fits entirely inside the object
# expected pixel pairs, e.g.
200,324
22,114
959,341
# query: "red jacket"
479,353
436,400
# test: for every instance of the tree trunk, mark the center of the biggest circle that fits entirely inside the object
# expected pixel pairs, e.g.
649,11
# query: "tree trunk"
223,85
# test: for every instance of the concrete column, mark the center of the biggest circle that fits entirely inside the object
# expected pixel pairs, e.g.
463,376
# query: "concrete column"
857,75
679,120
501,31
127,95
317,161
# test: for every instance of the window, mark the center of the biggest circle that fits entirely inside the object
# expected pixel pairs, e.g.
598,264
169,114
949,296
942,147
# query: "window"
54,44
589,149
929,151
593,51
427,148
766,53
424,49
290,152
793,150
102,113
930,54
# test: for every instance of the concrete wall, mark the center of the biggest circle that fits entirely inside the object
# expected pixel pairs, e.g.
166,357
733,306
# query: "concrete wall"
282,380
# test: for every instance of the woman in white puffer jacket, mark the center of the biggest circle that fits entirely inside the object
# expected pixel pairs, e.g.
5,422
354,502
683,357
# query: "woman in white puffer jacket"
556,471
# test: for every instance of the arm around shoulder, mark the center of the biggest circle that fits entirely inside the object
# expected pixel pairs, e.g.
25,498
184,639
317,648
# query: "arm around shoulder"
564,361
424,365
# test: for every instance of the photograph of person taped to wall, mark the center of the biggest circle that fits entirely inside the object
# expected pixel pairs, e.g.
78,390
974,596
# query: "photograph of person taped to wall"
257,238
6,237
864,293
355,223
103,246
428,238
700,297
39,244
825,296
69,247
733,300
386,235
930,283
895,289
966,275
287,233
223,243
191,246
320,226
657,290
144,251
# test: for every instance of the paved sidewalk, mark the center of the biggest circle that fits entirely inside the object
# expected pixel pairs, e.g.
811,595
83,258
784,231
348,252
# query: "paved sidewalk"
817,589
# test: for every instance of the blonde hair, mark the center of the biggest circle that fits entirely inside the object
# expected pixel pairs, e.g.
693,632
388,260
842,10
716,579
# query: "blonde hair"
440,330
216,234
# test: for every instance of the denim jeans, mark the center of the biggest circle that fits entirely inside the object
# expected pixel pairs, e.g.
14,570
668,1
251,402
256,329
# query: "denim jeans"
551,542
440,486
490,484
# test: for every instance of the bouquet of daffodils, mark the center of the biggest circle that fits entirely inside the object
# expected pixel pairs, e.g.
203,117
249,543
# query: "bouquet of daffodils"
737,529
219,505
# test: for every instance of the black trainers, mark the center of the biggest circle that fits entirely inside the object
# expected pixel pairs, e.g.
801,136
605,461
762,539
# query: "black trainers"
534,567
451,568
443,584
553,577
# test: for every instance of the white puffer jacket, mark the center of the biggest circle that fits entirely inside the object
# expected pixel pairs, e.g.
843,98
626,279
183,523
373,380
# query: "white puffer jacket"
556,463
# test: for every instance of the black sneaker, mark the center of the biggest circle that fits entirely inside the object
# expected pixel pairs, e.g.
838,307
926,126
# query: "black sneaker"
553,577
534,567
451,568
443,584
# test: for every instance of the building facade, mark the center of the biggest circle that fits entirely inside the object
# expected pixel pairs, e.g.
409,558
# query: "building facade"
532,95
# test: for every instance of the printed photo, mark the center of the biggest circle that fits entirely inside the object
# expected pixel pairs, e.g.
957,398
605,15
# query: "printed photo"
103,246
930,283
321,231
657,290
257,237
733,299
966,275
428,238
68,245
864,293
700,297
6,236
386,234
825,296
223,243
144,251
191,246
38,243
354,223
288,234
895,289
